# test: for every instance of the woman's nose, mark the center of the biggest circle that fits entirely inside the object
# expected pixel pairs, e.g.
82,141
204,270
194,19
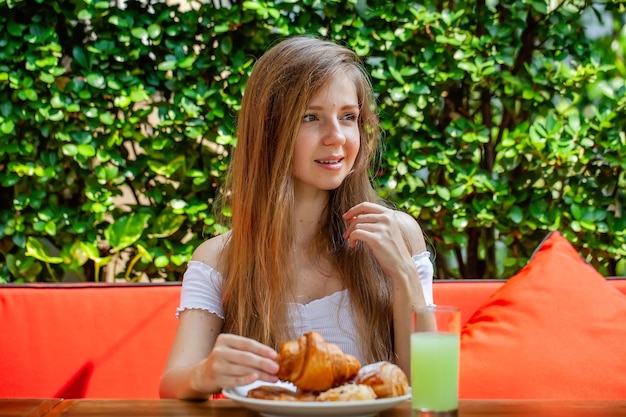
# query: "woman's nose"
334,134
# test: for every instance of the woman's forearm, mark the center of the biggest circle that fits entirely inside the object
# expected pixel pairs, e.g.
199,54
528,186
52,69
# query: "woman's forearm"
407,297
183,383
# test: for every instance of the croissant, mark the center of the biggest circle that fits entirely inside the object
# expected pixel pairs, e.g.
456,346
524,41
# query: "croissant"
277,393
385,378
312,364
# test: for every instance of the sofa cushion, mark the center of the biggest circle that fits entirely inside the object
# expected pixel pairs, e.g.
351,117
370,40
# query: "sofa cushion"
466,294
85,341
557,329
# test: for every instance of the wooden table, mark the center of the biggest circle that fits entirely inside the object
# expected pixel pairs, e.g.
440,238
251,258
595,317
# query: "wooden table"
228,408
19,407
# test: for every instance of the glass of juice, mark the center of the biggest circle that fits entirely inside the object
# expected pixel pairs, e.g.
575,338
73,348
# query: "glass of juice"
435,346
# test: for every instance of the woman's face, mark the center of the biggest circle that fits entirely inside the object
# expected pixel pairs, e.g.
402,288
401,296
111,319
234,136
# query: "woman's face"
328,140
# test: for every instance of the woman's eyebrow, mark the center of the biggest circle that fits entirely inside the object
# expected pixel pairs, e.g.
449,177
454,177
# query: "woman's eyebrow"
344,107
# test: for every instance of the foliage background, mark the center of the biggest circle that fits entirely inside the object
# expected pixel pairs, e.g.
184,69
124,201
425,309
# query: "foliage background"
504,120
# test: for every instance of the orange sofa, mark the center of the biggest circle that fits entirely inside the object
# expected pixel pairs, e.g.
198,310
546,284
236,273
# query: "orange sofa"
85,341
112,341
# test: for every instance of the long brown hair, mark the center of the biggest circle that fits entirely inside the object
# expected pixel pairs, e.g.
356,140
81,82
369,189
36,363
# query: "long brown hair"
256,263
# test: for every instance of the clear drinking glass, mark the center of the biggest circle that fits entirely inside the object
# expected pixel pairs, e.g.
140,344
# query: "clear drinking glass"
435,351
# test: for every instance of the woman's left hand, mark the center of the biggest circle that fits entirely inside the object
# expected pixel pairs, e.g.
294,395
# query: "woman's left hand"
384,230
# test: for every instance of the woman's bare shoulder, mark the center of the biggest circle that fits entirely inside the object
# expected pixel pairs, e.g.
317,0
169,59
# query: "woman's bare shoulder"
209,251
412,232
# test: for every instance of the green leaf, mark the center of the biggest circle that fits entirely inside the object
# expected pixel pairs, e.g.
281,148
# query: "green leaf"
186,62
167,223
161,261
167,170
460,223
540,6
516,214
39,251
106,118
167,65
23,268
139,33
443,192
6,108
86,150
7,127
125,231
96,80
85,14
69,149
226,46
252,5
154,31
80,57
28,94
78,254
458,190
15,29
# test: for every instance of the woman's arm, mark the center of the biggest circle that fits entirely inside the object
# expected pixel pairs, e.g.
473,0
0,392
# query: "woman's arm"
203,360
394,238
407,292
195,337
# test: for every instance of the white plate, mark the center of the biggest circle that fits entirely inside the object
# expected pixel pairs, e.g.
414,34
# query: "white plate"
271,408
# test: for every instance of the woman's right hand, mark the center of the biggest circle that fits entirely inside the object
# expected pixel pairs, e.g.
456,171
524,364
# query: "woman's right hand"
234,361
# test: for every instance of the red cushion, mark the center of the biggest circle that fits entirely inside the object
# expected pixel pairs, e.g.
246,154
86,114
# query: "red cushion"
85,341
557,330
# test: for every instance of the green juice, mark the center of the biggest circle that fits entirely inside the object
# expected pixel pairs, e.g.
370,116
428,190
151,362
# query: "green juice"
435,371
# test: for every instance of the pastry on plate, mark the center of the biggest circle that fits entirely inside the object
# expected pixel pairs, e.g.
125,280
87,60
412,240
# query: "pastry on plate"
348,392
313,364
278,393
385,378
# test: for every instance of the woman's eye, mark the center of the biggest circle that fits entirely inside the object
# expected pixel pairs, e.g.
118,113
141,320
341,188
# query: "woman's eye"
350,116
309,118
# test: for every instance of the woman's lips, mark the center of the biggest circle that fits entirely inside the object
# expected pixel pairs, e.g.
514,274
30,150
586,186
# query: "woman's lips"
330,163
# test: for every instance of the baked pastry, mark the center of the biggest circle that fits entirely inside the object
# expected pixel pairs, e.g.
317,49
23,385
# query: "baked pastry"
312,364
277,393
348,392
385,378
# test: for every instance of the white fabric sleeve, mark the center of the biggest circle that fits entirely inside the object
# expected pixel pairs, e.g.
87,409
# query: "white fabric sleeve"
202,289
425,270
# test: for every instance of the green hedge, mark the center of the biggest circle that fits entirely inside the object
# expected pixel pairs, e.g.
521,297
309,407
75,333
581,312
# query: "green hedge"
503,120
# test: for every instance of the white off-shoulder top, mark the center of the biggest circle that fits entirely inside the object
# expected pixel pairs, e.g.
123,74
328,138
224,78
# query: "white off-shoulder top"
331,316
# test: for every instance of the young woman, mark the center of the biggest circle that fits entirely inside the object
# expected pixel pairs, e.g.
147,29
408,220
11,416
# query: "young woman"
311,246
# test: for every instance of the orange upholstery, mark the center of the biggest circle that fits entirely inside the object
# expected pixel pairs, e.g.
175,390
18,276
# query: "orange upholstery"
112,341
468,295
555,330
79,341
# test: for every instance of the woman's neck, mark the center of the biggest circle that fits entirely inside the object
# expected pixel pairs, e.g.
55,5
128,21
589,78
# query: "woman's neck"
307,217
